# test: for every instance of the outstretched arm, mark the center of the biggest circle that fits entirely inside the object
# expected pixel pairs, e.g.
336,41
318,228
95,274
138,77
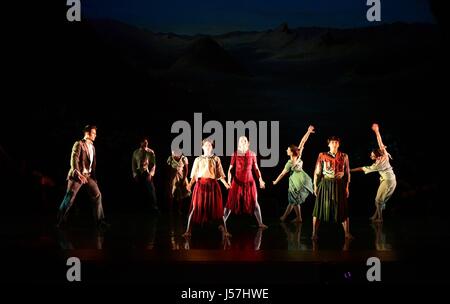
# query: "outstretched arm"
359,169
282,174
376,129
301,145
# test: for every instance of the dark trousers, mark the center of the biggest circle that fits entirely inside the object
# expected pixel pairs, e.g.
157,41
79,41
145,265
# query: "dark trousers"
146,185
72,189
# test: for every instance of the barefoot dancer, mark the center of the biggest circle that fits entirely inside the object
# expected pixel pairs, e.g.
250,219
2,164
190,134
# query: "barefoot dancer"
243,196
300,184
387,177
331,187
206,204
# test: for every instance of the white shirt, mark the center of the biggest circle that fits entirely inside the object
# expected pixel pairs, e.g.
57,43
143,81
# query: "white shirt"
382,166
91,155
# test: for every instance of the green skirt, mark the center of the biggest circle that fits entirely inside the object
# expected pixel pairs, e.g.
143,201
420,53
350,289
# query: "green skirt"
331,201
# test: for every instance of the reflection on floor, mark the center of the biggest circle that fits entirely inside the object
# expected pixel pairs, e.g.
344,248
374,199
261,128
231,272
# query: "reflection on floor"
139,244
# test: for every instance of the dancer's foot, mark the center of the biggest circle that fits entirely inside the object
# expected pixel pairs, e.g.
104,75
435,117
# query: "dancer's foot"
377,220
262,226
224,231
227,234
297,220
186,234
348,236
282,218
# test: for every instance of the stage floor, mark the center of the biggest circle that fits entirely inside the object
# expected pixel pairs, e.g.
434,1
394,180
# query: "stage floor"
149,249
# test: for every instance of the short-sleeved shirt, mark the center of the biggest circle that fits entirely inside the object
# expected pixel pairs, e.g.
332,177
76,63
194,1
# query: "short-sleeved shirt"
333,166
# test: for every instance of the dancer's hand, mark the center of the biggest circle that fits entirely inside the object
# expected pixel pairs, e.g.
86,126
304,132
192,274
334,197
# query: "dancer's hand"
274,183
82,178
375,128
262,184
311,129
315,190
347,191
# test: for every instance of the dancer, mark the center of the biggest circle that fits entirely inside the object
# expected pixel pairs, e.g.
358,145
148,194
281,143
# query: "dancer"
387,177
179,167
206,203
243,196
300,184
82,173
143,166
331,187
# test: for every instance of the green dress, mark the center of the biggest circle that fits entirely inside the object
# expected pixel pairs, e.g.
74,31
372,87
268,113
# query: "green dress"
300,184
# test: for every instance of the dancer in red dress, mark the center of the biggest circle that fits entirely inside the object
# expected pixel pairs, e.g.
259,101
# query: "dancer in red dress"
206,204
243,196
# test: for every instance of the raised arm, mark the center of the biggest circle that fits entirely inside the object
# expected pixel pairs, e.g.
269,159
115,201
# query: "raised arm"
301,145
376,129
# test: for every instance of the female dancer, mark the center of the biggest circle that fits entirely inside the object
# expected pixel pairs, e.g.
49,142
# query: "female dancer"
300,184
387,177
243,197
206,204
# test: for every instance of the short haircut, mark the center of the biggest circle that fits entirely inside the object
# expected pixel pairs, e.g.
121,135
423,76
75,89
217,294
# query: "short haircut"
88,128
333,138
208,140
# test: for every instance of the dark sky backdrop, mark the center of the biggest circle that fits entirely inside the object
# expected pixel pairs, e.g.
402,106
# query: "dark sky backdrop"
220,16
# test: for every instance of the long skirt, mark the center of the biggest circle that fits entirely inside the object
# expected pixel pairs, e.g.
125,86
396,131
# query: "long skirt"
331,201
206,201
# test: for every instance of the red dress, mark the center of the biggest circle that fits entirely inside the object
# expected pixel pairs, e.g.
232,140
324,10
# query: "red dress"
242,196
207,196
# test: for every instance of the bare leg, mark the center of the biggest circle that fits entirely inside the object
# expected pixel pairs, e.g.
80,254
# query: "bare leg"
316,224
226,214
346,226
286,213
259,216
188,228
223,228
298,212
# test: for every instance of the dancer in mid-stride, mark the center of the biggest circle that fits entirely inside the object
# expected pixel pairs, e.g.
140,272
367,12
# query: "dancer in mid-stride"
243,196
331,187
300,184
206,204
388,180
82,174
